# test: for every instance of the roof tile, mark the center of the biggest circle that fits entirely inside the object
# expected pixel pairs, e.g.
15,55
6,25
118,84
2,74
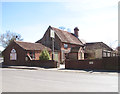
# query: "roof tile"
67,37
32,46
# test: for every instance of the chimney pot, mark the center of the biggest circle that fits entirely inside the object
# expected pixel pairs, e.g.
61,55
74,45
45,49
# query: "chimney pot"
76,32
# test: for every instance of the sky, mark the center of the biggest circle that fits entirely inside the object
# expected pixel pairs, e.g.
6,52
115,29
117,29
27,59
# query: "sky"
97,20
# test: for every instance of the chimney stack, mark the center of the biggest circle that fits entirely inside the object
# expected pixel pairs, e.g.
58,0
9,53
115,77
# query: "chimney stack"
76,32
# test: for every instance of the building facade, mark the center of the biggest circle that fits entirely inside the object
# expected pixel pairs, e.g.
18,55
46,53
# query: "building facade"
66,45
18,51
98,50
63,42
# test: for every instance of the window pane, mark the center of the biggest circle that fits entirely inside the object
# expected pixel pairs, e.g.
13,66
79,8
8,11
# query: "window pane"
108,54
65,45
104,54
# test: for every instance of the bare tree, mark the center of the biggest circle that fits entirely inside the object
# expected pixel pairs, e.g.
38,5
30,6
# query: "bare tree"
8,37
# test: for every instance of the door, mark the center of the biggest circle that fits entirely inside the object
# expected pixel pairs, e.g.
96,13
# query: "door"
56,56
62,56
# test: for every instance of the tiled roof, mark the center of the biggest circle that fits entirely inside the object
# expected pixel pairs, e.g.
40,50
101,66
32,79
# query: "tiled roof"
32,46
97,45
67,37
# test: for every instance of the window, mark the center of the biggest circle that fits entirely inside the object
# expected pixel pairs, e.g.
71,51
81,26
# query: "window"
108,54
32,55
65,45
104,54
13,55
80,55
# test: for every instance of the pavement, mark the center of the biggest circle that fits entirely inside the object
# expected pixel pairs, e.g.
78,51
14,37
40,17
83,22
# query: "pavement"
62,69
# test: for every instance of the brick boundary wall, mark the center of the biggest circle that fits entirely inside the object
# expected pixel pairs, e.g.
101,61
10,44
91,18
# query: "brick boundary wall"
34,63
108,63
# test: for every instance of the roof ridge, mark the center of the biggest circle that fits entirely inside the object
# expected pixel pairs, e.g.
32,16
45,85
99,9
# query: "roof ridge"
69,37
22,44
60,29
27,42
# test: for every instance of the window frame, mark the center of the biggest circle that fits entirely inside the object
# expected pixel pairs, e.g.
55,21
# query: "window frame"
65,45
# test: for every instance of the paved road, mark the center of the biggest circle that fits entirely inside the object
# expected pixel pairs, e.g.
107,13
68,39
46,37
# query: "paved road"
18,80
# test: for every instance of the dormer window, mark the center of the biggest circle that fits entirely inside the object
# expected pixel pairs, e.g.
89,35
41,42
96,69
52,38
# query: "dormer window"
65,45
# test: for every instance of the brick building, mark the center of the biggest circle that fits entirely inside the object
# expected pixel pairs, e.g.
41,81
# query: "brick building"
63,43
76,53
66,45
98,50
18,51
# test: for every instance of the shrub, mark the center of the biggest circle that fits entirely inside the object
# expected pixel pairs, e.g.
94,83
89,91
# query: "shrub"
44,55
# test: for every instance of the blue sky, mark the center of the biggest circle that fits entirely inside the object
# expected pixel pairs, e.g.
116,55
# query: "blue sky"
97,20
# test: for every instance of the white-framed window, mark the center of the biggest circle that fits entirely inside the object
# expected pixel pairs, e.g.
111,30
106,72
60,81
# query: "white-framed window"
104,54
108,54
13,55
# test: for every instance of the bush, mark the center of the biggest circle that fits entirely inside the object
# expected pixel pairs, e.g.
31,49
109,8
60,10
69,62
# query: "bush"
44,55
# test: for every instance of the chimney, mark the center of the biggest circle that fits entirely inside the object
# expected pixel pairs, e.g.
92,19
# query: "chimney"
76,31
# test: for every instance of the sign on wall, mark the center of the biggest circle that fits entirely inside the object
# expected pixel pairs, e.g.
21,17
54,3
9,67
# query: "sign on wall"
13,55
52,33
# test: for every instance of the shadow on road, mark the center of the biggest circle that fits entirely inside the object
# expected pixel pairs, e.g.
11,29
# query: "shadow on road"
91,71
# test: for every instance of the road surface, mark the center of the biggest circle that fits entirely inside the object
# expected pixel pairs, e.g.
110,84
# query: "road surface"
19,80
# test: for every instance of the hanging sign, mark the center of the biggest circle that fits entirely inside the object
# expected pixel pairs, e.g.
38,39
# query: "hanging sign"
52,33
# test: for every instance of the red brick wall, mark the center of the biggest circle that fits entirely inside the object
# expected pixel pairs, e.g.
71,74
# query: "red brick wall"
73,56
37,63
20,53
37,55
98,64
67,50
111,63
83,64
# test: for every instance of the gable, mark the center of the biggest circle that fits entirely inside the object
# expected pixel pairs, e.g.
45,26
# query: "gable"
67,37
26,46
12,45
63,36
